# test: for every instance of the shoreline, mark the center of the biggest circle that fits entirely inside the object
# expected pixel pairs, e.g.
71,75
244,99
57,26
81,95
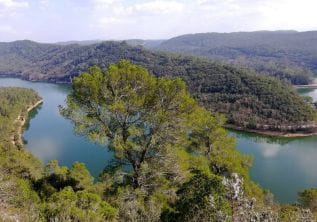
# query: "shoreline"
2,76
270,132
311,86
21,120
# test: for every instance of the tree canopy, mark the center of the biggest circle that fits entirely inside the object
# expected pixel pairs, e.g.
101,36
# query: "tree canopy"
158,133
139,116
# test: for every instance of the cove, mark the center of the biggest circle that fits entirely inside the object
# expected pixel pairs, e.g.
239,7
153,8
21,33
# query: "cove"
49,136
284,166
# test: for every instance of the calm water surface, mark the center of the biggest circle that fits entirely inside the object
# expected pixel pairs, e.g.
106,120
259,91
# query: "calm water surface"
284,166
49,136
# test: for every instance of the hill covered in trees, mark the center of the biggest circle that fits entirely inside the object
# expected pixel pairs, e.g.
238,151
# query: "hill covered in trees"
132,42
172,161
247,99
288,55
25,184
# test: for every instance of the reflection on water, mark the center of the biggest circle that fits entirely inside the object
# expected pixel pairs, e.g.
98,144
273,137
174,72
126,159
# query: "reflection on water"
257,138
282,165
305,91
46,148
49,136
32,115
309,92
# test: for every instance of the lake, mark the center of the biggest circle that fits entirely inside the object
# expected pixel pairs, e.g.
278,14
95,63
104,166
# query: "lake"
49,136
284,166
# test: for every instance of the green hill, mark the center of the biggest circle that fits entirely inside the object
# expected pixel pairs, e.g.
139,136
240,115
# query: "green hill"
247,99
289,55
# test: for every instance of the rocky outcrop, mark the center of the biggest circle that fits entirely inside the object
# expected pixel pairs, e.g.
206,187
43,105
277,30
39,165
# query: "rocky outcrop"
5,198
304,215
246,210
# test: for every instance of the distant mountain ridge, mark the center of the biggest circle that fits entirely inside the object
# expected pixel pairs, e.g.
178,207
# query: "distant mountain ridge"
78,42
133,42
246,98
288,55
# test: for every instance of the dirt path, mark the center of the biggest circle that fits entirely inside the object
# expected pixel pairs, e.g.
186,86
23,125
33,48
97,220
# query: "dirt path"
20,121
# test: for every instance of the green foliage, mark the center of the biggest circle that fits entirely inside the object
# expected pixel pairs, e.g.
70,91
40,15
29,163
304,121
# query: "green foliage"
81,175
58,193
18,167
308,199
243,96
58,177
67,205
202,198
69,195
170,155
288,213
158,134
20,162
18,196
289,56
134,205
291,213
208,137
14,102
140,116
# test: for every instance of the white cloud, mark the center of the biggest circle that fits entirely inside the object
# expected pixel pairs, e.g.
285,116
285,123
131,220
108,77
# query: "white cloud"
111,20
290,14
9,8
12,5
271,150
122,19
7,30
44,3
158,7
99,3
163,18
45,148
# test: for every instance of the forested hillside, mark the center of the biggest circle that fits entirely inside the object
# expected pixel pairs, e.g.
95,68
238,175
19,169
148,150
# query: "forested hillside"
172,162
15,163
28,191
133,42
288,55
247,99
14,101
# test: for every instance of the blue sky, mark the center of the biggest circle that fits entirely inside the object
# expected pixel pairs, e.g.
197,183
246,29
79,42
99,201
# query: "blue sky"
62,20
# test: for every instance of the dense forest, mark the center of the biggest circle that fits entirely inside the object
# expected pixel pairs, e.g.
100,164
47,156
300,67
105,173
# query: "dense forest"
172,159
25,184
288,55
14,101
247,98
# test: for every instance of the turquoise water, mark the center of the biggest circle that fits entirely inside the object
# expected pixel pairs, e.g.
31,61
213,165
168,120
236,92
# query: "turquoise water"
49,136
284,166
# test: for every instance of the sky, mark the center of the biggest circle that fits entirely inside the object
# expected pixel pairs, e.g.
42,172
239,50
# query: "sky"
64,20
